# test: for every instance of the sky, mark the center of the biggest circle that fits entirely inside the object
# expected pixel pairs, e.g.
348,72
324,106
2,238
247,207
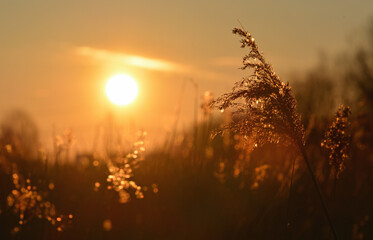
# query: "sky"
56,56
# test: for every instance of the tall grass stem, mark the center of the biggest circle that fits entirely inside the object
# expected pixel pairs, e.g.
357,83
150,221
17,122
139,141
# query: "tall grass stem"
326,212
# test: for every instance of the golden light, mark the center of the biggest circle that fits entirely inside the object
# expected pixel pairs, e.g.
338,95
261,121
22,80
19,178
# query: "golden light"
121,89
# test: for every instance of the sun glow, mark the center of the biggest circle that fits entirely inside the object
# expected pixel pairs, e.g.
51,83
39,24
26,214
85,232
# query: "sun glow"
121,89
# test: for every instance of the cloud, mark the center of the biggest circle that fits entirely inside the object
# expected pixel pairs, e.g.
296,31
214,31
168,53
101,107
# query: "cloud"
189,71
133,60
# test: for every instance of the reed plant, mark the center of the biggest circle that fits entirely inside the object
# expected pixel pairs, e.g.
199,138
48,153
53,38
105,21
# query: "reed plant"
264,111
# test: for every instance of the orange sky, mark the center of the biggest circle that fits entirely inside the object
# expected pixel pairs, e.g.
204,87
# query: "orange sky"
55,57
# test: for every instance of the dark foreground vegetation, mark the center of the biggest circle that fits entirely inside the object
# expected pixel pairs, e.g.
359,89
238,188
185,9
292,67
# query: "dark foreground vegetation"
231,186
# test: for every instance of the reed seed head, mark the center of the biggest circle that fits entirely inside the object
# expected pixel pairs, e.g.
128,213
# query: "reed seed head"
337,139
263,107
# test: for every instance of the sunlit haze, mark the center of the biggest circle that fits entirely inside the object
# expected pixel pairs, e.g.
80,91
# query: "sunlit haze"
56,57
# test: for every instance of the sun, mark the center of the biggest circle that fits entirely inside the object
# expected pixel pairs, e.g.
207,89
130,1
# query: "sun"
121,89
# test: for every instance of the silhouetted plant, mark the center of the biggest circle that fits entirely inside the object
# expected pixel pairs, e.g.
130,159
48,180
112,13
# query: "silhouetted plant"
28,202
264,108
121,169
337,139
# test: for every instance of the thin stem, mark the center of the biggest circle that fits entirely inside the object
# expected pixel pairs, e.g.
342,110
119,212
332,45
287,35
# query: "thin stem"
288,223
170,145
326,212
195,133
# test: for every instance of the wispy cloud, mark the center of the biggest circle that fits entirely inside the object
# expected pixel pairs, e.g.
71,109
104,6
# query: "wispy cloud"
159,64
133,60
